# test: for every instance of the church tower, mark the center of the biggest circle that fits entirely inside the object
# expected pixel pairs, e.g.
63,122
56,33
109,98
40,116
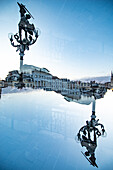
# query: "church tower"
111,79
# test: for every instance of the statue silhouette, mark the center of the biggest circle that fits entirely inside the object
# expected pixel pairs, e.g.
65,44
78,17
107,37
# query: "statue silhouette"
24,24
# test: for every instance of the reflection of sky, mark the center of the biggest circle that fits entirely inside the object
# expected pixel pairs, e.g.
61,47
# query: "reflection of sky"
76,39
37,131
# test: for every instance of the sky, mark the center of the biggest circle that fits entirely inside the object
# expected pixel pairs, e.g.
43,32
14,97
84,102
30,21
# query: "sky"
76,39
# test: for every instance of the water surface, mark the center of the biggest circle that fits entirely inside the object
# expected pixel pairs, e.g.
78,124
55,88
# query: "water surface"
38,129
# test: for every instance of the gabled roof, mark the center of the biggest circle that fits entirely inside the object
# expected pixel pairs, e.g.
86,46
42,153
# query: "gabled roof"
34,68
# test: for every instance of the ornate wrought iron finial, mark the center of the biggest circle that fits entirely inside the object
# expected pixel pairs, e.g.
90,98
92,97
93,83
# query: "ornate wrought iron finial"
27,33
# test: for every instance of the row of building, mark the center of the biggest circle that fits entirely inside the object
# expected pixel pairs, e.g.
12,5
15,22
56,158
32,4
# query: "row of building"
36,77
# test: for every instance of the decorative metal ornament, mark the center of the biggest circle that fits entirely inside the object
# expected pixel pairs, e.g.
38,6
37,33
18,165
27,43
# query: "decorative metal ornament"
27,33
88,134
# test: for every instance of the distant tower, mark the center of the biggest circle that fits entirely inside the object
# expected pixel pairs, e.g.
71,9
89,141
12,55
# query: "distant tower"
111,78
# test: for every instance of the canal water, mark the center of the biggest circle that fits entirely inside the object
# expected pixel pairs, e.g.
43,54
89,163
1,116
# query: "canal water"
38,129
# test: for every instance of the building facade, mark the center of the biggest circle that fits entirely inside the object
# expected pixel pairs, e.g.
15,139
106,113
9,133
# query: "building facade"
42,79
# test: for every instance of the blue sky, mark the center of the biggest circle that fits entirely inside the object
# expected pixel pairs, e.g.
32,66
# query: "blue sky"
76,38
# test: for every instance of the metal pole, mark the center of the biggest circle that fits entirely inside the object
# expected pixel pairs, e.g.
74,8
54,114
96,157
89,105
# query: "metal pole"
21,63
93,107
22,47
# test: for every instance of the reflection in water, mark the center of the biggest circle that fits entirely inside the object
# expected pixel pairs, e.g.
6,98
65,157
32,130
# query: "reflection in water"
89,133
58,121
86,97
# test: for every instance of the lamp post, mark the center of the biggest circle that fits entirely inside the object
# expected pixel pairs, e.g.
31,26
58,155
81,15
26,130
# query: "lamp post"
27,33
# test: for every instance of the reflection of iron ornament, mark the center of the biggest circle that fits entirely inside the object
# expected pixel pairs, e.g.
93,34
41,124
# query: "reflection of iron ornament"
88,135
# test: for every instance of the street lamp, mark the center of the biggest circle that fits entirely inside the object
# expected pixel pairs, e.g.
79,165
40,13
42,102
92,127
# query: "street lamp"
27,33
